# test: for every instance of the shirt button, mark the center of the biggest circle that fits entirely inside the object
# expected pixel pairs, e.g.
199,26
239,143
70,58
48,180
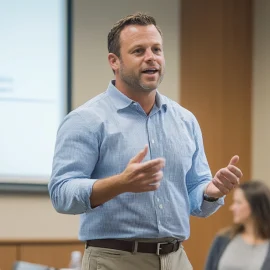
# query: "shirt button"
159,222
153,141
161,206
158,199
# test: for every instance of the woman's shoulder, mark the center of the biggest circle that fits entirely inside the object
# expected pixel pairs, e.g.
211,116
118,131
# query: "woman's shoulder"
222,238
225,233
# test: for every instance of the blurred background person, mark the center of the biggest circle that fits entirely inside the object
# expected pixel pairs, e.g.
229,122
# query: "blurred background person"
245,245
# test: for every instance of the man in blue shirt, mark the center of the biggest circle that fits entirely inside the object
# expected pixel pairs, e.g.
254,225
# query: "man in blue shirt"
131,162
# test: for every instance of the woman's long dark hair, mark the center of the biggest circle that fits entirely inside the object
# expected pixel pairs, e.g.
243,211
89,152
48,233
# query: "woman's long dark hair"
257,195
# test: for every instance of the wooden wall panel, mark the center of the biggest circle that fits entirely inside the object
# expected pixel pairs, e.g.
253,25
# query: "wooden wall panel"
55,253
52,254
8,254
216,55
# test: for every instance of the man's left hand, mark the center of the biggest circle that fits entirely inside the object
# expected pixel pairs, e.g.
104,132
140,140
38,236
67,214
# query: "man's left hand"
225,180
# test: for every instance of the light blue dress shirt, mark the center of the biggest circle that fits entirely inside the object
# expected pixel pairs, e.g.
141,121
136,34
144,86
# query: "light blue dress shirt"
98,139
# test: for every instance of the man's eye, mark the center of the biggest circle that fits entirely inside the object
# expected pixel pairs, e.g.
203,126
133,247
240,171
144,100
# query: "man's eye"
157,50
138,51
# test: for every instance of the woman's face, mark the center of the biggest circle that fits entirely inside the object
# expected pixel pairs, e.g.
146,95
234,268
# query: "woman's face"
240,207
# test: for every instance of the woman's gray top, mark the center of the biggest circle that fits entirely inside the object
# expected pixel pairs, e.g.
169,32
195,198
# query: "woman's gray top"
240,255
220,245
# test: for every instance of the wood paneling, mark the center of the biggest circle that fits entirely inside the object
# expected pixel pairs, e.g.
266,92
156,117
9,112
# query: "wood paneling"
8,254
216,55
55,253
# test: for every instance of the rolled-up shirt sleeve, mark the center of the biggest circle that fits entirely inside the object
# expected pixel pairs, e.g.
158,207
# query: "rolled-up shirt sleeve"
198,177
76,153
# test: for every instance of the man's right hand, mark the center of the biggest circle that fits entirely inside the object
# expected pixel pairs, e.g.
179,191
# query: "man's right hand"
137,177
142,176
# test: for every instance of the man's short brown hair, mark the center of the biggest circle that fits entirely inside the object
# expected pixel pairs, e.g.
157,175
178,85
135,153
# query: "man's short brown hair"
134,19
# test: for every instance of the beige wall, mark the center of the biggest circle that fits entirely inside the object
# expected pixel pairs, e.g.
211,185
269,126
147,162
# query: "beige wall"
33,216
261,92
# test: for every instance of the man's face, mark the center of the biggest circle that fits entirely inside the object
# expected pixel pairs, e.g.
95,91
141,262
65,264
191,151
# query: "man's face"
142,62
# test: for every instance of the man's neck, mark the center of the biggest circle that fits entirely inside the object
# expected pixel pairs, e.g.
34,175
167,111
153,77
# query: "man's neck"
144,98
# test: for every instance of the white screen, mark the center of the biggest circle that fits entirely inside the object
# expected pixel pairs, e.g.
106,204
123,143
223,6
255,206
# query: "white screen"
33,88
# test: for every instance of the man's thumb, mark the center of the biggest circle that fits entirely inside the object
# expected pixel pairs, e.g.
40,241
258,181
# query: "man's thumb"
140,156
234,160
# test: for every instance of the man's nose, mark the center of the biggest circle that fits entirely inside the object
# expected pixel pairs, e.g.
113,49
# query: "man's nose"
149,55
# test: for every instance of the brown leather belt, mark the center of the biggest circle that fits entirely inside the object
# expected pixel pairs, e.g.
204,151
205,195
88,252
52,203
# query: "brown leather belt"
135,246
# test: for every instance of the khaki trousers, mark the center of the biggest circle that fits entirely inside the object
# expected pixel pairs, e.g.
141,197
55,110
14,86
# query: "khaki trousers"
110,259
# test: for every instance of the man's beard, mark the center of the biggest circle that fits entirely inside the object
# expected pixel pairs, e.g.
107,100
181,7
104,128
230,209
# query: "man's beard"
135,82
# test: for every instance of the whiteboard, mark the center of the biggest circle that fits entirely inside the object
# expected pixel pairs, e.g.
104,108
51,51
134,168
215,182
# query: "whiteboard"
34,88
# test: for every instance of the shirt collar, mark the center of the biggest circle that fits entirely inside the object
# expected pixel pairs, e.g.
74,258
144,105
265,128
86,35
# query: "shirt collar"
121,101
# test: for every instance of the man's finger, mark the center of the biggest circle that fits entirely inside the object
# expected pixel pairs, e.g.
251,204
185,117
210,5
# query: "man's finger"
234,160
224,190
140,156
236,171
231,176
155,164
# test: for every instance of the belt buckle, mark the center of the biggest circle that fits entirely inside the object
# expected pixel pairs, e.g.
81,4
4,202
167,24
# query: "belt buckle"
160,248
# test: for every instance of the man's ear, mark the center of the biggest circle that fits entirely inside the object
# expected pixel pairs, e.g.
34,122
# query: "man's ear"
113,61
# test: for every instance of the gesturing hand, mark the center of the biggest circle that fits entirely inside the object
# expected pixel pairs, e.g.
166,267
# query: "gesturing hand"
225,179
142,176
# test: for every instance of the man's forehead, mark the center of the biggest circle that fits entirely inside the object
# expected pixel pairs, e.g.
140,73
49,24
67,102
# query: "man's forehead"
132,33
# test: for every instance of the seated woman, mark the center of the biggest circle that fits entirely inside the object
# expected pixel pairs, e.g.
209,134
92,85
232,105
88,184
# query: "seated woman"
245,245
